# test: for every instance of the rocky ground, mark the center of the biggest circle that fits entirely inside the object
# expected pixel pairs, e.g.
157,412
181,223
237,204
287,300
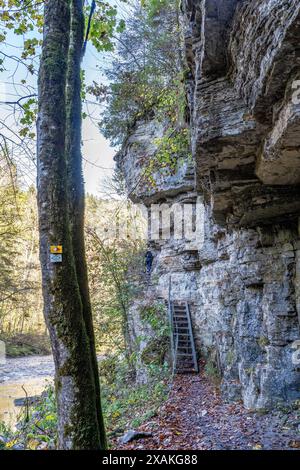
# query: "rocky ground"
195,417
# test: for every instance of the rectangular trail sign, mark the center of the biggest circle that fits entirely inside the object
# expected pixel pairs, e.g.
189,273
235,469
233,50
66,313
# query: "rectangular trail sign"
55,258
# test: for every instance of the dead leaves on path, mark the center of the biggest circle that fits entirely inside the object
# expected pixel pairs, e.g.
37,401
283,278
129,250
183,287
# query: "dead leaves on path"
195,418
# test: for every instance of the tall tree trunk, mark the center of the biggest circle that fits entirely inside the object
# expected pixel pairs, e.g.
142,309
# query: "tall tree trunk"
76,184
78,426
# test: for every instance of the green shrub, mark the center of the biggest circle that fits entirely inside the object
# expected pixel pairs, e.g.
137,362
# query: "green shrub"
211,371
125,405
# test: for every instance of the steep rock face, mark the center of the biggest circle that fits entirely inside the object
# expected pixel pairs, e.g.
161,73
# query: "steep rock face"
248,312
139,149
243,279
245,117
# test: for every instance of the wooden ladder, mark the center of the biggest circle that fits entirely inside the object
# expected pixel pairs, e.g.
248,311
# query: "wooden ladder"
183,345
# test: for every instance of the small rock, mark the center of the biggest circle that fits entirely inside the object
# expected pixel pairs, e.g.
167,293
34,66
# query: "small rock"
133,435
42,446
29,400
294,444
17,447
51,445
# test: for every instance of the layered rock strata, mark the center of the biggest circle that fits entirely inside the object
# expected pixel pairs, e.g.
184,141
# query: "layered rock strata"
242,279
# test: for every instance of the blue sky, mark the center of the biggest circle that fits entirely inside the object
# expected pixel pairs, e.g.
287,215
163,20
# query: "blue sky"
97,151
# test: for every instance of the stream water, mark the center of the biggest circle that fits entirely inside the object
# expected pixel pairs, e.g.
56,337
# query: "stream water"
32,373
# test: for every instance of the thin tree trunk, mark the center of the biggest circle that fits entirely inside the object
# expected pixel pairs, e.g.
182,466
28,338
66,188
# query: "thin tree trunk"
76,185
78,426
120,296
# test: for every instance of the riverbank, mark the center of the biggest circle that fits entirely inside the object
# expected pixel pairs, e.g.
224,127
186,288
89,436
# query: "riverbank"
125,404
26,344
19,376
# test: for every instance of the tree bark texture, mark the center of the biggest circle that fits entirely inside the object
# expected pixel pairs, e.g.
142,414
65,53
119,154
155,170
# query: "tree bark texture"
76,185
76,390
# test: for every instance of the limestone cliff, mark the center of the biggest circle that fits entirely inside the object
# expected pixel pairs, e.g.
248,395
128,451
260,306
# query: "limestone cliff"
243,281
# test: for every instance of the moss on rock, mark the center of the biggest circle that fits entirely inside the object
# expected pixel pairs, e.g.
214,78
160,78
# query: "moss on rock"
155,351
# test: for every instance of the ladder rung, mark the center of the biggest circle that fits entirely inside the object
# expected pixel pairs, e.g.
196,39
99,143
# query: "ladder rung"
185,365
185,360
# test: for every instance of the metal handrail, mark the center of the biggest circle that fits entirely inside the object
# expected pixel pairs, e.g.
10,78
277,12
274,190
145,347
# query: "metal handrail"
175,353
170,314
192,336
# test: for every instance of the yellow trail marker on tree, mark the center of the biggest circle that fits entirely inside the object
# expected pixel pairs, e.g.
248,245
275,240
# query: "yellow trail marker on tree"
56,249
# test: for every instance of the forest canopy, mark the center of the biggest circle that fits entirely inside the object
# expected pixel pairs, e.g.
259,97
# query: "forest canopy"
146,76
